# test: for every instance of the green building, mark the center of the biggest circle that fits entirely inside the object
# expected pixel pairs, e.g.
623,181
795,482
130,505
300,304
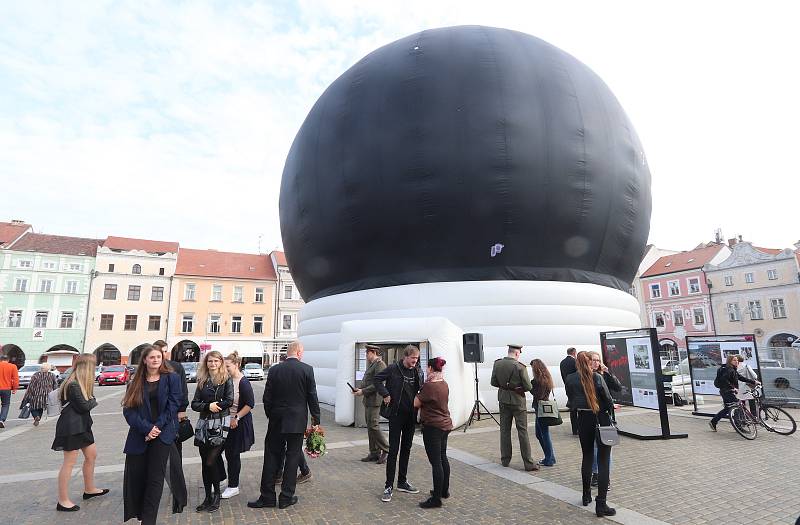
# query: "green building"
44,294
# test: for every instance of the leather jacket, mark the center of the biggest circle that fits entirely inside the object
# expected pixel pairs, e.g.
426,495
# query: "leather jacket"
578,400
209,393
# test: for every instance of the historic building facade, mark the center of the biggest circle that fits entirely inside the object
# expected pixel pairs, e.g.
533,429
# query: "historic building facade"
129,301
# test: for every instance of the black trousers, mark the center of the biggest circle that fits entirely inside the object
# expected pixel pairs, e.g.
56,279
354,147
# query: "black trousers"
573,421
436,448
274,445
301,463
401,435
728,398
587,433
212,466
144,482
234,467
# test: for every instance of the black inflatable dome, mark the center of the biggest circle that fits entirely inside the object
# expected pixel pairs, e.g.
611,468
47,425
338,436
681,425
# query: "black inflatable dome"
461,154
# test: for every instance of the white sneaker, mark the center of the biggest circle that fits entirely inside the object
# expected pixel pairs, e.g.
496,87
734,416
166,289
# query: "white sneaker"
230,492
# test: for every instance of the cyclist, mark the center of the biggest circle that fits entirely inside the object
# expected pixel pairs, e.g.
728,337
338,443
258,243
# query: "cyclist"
728,383
748,372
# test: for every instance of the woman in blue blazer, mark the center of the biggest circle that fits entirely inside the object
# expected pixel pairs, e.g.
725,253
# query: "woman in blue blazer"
150,407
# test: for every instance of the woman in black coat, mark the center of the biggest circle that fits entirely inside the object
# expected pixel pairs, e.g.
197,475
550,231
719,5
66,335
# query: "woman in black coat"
213,398
242,436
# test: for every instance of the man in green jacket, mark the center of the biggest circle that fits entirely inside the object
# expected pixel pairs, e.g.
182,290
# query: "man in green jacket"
511,378
378,445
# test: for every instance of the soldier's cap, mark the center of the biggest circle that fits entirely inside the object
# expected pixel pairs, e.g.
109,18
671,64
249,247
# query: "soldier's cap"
515,346
373,348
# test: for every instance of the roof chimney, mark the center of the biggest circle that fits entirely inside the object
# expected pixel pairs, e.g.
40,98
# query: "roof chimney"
732,242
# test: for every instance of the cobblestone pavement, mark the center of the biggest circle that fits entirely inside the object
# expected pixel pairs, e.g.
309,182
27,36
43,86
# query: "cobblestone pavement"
679,481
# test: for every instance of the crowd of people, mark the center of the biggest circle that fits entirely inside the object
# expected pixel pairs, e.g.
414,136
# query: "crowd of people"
156,401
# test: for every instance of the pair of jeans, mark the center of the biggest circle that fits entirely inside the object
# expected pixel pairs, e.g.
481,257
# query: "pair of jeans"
729,399
543,436
587,433
401,436
435,440
594,463
5,398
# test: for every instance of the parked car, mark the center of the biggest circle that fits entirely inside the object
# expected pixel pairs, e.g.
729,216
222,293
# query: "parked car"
253,371
190,368
114,375
131,369
64,375
27,371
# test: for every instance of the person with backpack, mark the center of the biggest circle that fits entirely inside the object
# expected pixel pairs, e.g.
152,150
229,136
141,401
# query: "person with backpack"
727,381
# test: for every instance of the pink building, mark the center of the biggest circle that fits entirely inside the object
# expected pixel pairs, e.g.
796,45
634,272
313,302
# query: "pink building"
676,297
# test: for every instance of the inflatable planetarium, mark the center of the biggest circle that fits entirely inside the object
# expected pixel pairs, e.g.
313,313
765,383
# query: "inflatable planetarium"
461,180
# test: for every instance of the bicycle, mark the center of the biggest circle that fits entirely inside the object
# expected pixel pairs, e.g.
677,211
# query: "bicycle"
772,417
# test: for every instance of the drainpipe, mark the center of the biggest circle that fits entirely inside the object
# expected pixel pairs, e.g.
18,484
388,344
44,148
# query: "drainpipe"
169,307
92,275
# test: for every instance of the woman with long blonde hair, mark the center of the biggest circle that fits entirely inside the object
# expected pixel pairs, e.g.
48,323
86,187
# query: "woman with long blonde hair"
589,395
74,431
213,398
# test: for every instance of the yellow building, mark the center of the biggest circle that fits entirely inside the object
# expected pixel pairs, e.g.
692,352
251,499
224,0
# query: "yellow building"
222,301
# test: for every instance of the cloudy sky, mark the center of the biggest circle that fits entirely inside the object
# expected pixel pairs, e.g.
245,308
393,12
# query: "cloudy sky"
172,120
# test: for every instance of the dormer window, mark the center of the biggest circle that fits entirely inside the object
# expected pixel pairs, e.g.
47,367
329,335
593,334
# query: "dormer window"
137,269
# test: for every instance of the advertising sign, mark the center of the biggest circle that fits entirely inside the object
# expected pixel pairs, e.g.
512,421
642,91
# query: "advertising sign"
629,356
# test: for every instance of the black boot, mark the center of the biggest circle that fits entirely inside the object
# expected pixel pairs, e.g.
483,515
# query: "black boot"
214,505
587,498
601,509
431,503
206,503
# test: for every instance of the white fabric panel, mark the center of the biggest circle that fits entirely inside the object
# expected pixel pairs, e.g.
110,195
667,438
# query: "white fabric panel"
545,317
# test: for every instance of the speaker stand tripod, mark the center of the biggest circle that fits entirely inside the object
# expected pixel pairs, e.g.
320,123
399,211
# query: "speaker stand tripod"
478,408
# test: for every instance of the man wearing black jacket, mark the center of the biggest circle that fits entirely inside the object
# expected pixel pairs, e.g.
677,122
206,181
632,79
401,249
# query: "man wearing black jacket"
728,383
289,394
568,367
178,368
398,385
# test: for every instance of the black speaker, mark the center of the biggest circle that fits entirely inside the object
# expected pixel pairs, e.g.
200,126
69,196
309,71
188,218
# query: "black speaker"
473,348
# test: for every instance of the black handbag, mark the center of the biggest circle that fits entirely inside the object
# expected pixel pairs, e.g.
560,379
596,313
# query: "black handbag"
25,411
185,430
607,435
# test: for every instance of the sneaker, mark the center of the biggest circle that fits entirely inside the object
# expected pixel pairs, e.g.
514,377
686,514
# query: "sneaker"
2,425
387,495
713,426
230,492
594,481
407,487
303,478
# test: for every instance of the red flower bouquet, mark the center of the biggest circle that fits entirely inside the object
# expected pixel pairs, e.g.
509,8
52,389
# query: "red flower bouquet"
315,441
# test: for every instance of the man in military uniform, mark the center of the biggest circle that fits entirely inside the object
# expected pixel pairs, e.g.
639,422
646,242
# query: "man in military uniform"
378,445
511,378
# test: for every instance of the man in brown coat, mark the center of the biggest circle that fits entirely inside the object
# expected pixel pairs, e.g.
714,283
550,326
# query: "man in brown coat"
378,445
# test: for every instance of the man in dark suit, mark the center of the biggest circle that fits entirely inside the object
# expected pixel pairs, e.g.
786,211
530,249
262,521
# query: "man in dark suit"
290,393
568,366
181,373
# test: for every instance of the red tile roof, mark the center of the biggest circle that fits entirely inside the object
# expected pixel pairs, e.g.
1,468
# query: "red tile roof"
40,242
280,257
211,263
125,243
680,262
10,231
770,251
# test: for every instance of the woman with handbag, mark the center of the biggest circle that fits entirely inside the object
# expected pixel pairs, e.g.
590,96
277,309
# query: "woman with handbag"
150,407
74,431
542,388
613,385
241,437
42,383
213,398
588,394
434,413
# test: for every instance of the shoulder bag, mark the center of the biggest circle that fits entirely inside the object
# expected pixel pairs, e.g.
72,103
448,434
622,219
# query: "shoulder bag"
607,435
54,405
25,410
213,430
547,412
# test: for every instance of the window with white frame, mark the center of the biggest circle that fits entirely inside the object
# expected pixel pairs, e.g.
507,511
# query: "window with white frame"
20,285
71,287
674,288
154,323
40,319
655,290
45,286
137,269
258,324
130,322
754,307
778,308
67,319
632,291
157,293
106,321
694,285
216,292
728,280
733,312
238,294
134,292
74,267
214,323
189,291
287,292
236,324
14,318
187,323
24,263
699,316
772,274
110,291
749,278
677,317
658,319
48,265
287,322
259,295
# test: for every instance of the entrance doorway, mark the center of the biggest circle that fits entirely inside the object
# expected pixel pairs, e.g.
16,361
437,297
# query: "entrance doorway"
107,354
390,352
186,351
15,354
